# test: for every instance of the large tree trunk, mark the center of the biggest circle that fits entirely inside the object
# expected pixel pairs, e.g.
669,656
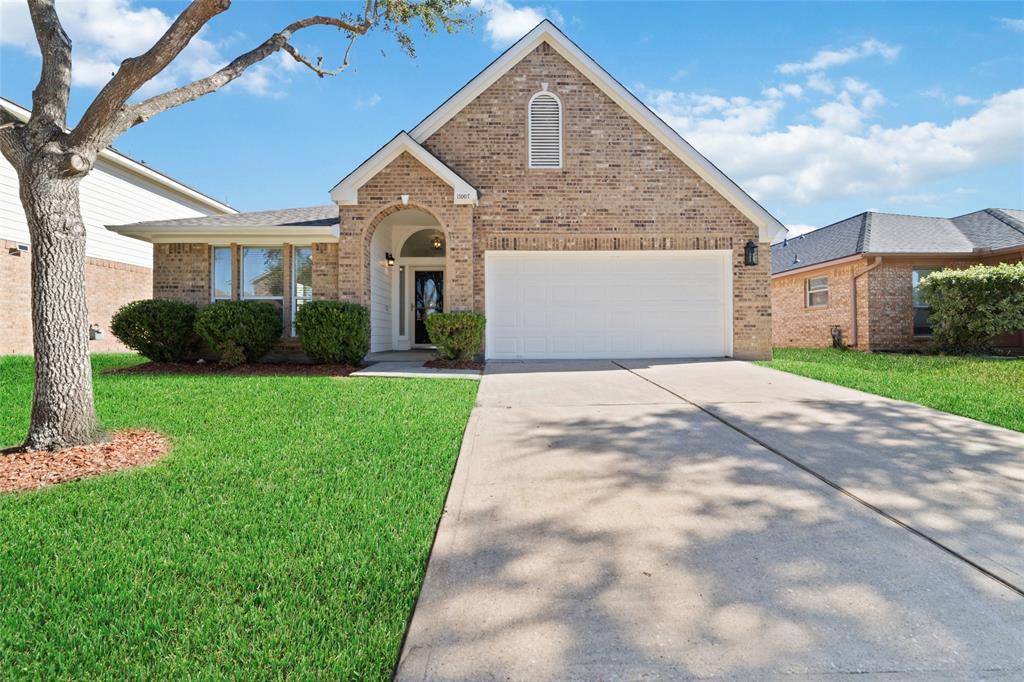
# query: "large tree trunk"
63,414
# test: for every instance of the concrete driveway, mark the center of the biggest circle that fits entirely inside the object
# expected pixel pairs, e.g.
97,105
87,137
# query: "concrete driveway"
673,520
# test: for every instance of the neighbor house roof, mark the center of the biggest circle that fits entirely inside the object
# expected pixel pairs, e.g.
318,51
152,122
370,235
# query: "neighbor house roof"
872,233
298,224
546,32
121,159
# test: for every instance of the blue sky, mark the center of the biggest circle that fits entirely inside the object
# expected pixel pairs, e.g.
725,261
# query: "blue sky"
820,110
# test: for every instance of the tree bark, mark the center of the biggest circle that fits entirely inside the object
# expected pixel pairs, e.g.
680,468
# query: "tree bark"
63,414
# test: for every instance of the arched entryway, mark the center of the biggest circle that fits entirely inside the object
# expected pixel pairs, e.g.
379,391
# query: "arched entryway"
408,254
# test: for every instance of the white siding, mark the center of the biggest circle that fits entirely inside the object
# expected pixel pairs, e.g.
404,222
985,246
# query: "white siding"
109,196
380,293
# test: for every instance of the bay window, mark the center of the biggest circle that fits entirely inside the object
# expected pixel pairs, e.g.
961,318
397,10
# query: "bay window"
263,274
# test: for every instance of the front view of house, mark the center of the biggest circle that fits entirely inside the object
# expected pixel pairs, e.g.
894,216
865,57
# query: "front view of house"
542,194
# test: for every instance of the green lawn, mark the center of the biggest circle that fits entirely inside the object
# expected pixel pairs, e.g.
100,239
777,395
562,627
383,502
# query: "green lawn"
285,535
987,390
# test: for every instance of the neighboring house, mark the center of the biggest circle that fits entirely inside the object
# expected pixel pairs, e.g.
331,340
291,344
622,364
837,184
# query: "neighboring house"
118,269
861,275
542,194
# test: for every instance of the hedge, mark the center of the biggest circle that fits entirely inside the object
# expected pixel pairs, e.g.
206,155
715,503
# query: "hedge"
331,331
970,307
239,331
159,329
458,336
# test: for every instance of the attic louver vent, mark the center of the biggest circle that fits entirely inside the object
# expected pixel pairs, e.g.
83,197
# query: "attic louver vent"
545,131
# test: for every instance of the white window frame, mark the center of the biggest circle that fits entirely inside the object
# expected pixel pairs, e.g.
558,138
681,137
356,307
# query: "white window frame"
213,273
914,307
808,290
529,136
295,279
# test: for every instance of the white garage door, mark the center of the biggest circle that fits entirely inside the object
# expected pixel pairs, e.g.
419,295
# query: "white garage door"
608,304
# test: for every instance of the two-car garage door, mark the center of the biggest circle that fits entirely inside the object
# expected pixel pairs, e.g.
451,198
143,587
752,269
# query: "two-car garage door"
608,304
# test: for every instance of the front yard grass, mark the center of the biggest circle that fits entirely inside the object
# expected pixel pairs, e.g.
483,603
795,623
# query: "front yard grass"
988,390
284,536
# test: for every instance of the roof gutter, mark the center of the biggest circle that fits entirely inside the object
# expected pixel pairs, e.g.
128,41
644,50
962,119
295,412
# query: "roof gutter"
818,266
853,299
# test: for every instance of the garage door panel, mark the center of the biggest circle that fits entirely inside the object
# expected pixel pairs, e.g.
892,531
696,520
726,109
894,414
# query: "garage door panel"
607,304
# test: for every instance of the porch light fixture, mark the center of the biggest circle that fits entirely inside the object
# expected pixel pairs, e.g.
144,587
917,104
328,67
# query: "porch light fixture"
750,253
436,243
390,259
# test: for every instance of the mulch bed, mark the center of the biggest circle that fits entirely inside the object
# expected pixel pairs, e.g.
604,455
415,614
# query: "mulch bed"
251,369
125,449
454,364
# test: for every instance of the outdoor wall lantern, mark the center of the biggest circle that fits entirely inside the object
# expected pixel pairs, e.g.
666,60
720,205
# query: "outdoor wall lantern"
750,253
436,243
390,259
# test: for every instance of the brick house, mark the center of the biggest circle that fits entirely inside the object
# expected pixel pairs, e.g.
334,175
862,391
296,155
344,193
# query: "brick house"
117,269
543,194
861,275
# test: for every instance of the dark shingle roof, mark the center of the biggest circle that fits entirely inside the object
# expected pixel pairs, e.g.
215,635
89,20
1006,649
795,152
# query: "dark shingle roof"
312,216
871,232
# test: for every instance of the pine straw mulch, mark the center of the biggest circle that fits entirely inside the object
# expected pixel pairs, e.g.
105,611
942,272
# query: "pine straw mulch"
283,369
454,364
125,450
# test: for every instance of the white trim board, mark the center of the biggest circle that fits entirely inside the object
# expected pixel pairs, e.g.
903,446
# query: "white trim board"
346,192
222,236
769,227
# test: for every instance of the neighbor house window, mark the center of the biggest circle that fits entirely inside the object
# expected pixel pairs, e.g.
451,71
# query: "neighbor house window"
921,311
263,274
222,283
817,292
302,279
545,130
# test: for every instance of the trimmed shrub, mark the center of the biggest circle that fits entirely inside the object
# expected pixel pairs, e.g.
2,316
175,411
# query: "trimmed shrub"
332,331
458,336
239,331
973,305
157,328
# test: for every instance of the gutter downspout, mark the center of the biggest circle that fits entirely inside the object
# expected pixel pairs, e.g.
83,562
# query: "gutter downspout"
853,299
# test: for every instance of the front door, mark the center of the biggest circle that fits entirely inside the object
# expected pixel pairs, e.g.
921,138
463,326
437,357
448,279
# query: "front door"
429,297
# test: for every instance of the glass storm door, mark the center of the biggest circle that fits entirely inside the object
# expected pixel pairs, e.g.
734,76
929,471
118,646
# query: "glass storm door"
429,296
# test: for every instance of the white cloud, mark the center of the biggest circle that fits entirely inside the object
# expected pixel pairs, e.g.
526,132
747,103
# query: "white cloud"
839,155
1013,24
507,23
818,81
799,229
366,102
793,90
105,32
826,59
964,100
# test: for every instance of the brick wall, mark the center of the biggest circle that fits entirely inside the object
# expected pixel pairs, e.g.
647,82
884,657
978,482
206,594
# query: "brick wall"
108,286
618,186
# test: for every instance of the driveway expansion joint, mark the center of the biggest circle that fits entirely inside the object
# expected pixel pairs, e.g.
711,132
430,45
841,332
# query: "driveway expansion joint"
829,482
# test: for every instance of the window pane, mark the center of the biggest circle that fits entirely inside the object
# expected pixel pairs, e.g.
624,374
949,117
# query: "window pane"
303,274
916,276
921,325
222,272
262,272
817,298
817,283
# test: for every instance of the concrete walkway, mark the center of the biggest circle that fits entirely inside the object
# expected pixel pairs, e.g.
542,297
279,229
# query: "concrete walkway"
601,525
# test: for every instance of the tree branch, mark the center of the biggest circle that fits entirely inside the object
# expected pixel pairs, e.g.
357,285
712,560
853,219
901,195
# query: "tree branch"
12,141
133,115
90,133
50,97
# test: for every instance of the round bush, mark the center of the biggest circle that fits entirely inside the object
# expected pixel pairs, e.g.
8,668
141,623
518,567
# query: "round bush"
239,330
158,329
332,331
458,336
973,305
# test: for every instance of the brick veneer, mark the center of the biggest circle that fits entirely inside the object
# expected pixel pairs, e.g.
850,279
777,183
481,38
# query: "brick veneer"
885,318
108,286
619,189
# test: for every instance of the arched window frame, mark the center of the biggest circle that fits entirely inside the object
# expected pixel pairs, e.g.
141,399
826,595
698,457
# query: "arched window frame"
529,123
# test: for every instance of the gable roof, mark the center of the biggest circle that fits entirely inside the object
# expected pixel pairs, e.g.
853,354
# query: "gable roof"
118,158
867,233
311,223
346,192
546,32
